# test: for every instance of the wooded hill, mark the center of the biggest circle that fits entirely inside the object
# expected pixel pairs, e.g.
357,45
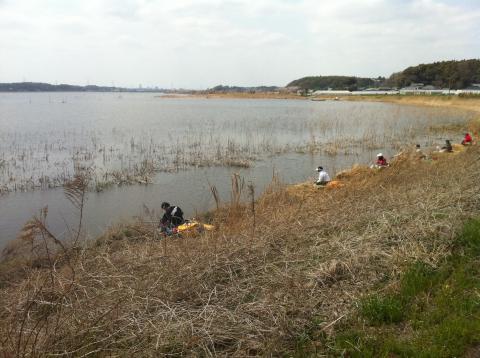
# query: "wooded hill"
446,74
335,82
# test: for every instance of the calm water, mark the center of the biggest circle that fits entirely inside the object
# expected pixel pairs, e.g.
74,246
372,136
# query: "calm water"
45,136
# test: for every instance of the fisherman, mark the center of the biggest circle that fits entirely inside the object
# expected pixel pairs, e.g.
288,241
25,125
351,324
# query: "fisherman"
172,218
467,140
447,147
419,153
323,177
381,161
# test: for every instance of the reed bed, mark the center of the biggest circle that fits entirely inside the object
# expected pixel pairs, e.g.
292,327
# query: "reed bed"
311,255
50,158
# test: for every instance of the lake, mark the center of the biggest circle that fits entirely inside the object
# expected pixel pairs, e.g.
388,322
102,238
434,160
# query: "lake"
182,147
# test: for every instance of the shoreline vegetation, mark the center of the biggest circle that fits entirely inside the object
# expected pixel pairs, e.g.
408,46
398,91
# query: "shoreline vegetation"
462,102
298,272
127,158
235,95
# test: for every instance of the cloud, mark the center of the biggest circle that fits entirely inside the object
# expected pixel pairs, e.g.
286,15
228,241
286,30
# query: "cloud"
200,43
379,33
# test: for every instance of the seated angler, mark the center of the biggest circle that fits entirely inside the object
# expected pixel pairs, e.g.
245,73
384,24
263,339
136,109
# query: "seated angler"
467,140
381,161
447,147
172,217
323,177
419,153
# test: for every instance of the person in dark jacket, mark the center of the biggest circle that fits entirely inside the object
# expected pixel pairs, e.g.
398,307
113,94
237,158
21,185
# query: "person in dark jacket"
173,216
447,147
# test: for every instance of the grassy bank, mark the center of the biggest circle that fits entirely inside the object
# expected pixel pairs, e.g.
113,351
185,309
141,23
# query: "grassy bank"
431,312
464,103
302,272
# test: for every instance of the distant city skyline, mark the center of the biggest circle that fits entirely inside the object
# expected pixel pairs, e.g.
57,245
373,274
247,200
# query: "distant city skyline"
199,44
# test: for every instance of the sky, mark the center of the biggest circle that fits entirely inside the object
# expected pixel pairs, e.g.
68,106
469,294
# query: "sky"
202,43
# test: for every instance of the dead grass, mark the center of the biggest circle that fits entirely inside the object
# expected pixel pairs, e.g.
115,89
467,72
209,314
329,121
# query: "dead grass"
314,253
471,104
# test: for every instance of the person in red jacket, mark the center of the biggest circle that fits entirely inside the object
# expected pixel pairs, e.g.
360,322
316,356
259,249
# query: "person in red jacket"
467,140
381,161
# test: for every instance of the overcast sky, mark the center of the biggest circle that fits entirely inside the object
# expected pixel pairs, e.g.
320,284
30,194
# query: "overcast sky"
202,43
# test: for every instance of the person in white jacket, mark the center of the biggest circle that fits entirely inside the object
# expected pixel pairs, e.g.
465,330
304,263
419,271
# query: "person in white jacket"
323,177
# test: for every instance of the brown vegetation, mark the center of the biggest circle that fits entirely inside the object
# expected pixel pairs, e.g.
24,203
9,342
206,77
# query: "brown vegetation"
472,104
292,264
239,291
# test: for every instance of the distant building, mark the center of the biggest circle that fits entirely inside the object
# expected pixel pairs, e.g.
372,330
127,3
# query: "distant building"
417,85
432,90
376,91
412,89
291,89
420,88
330,92
472,89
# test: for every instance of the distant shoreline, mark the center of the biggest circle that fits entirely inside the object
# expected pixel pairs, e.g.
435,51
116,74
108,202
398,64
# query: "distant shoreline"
82,91
424,100
235,95
465,103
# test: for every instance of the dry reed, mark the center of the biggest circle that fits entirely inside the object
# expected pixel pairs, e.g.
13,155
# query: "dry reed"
30,160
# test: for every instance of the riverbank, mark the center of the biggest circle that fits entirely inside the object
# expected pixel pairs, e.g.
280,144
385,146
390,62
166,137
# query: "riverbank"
235,95
469,104
465,103
279,277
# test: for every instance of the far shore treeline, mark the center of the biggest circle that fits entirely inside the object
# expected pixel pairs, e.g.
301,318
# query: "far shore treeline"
46,87
445,74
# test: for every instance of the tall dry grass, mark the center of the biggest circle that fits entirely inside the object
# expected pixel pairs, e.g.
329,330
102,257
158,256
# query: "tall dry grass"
312,254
